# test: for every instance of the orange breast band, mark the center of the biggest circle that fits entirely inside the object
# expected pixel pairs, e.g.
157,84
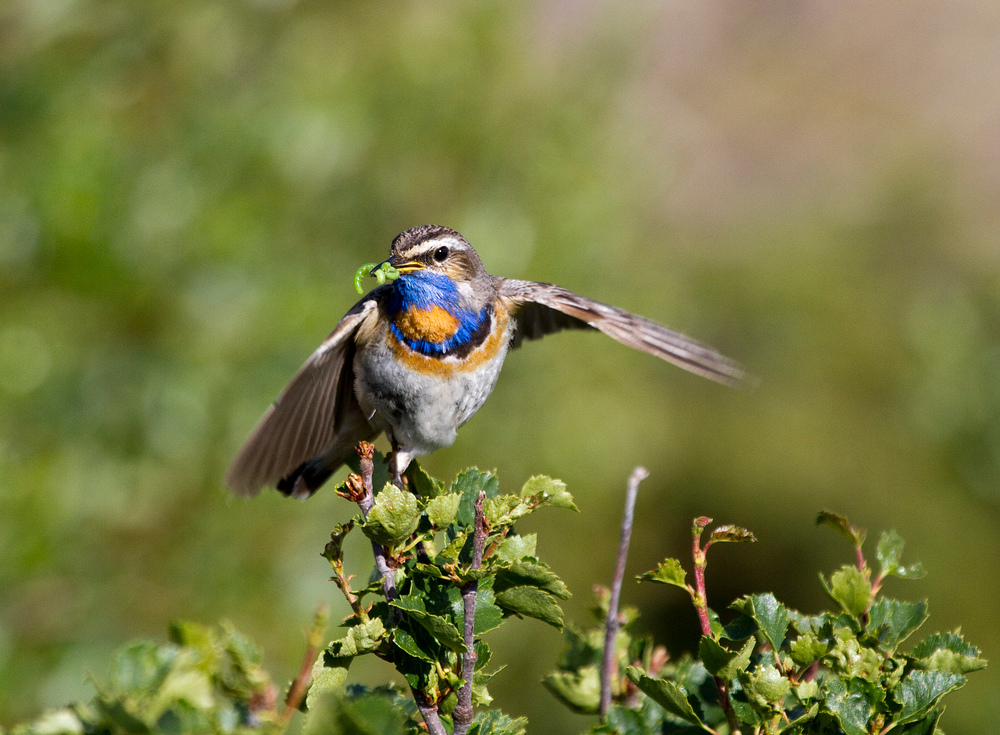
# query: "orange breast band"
430,325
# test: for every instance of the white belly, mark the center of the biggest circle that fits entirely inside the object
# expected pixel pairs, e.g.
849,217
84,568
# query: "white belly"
420,409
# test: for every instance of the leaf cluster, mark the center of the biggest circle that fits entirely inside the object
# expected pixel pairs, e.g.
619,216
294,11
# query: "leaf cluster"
430,538
772,670
206,680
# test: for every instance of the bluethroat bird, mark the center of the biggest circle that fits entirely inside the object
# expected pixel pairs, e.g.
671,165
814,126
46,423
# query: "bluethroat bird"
417,357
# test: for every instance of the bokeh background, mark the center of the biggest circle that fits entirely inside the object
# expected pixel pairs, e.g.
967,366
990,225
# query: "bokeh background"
186,189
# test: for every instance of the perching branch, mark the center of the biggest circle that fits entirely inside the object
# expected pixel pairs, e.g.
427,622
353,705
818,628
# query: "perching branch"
613,622
365,498
462,715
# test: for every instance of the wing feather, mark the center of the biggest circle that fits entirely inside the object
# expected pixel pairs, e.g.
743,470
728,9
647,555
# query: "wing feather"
543,308
307,417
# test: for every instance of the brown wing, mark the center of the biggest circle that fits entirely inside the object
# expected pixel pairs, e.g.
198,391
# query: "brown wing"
310,416
542,308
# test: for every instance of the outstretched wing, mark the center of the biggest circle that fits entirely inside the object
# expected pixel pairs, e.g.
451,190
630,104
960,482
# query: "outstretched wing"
542,308
317,409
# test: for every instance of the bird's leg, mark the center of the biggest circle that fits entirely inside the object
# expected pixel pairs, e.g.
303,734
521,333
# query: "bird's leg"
398,463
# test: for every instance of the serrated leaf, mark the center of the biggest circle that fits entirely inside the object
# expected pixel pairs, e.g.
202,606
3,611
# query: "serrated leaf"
850,588
851,704
800,721
921,689
443,630
892,621
947,652
532,602
410,645
720,661
515,547
361,639
767,683
488,614
769,614
841,525
421,483
505,510
532,575
739,628
731,534
393,518
889,553
807,649
580,690
669,571
494,722
548,491
469,484
665,693
329,674
442,510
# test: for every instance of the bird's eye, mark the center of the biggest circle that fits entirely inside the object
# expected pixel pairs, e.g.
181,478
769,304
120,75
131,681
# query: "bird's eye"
441,254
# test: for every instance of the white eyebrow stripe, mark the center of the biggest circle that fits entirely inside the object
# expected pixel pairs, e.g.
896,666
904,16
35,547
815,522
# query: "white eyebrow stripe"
428,245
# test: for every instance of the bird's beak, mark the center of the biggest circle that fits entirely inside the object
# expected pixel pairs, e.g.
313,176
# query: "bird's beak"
406,267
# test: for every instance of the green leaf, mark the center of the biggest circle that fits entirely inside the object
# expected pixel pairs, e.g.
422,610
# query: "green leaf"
532,574
889,552
580,690
807,649
515,547
669,571
665,693
334,550
850,702
393,518
361,639
421,483
443,630
532,602
329,674
731,534
548,491
408,643
505,510
767,684
840,524
494,722
800,721
442,510
488,614
469,484
947,652
850,588
769,614
141,666
919,691
892,621
720,661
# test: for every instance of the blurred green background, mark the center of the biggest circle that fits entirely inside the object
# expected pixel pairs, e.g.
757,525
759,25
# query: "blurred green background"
186,189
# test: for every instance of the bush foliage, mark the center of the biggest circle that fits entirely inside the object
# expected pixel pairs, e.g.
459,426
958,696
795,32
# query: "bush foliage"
458,570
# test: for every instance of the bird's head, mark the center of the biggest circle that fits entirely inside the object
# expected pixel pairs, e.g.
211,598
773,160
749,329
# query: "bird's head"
436,250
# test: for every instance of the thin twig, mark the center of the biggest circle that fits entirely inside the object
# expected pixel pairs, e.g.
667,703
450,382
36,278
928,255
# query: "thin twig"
700,599
613,622
462,714
366,502
300,686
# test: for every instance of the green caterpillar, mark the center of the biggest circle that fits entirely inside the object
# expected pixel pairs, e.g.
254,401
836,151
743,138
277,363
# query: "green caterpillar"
382,274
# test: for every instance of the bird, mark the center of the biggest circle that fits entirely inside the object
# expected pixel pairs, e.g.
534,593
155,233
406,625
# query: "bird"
417,357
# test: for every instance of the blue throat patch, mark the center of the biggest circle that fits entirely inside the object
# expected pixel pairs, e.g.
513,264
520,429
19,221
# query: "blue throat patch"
425,290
